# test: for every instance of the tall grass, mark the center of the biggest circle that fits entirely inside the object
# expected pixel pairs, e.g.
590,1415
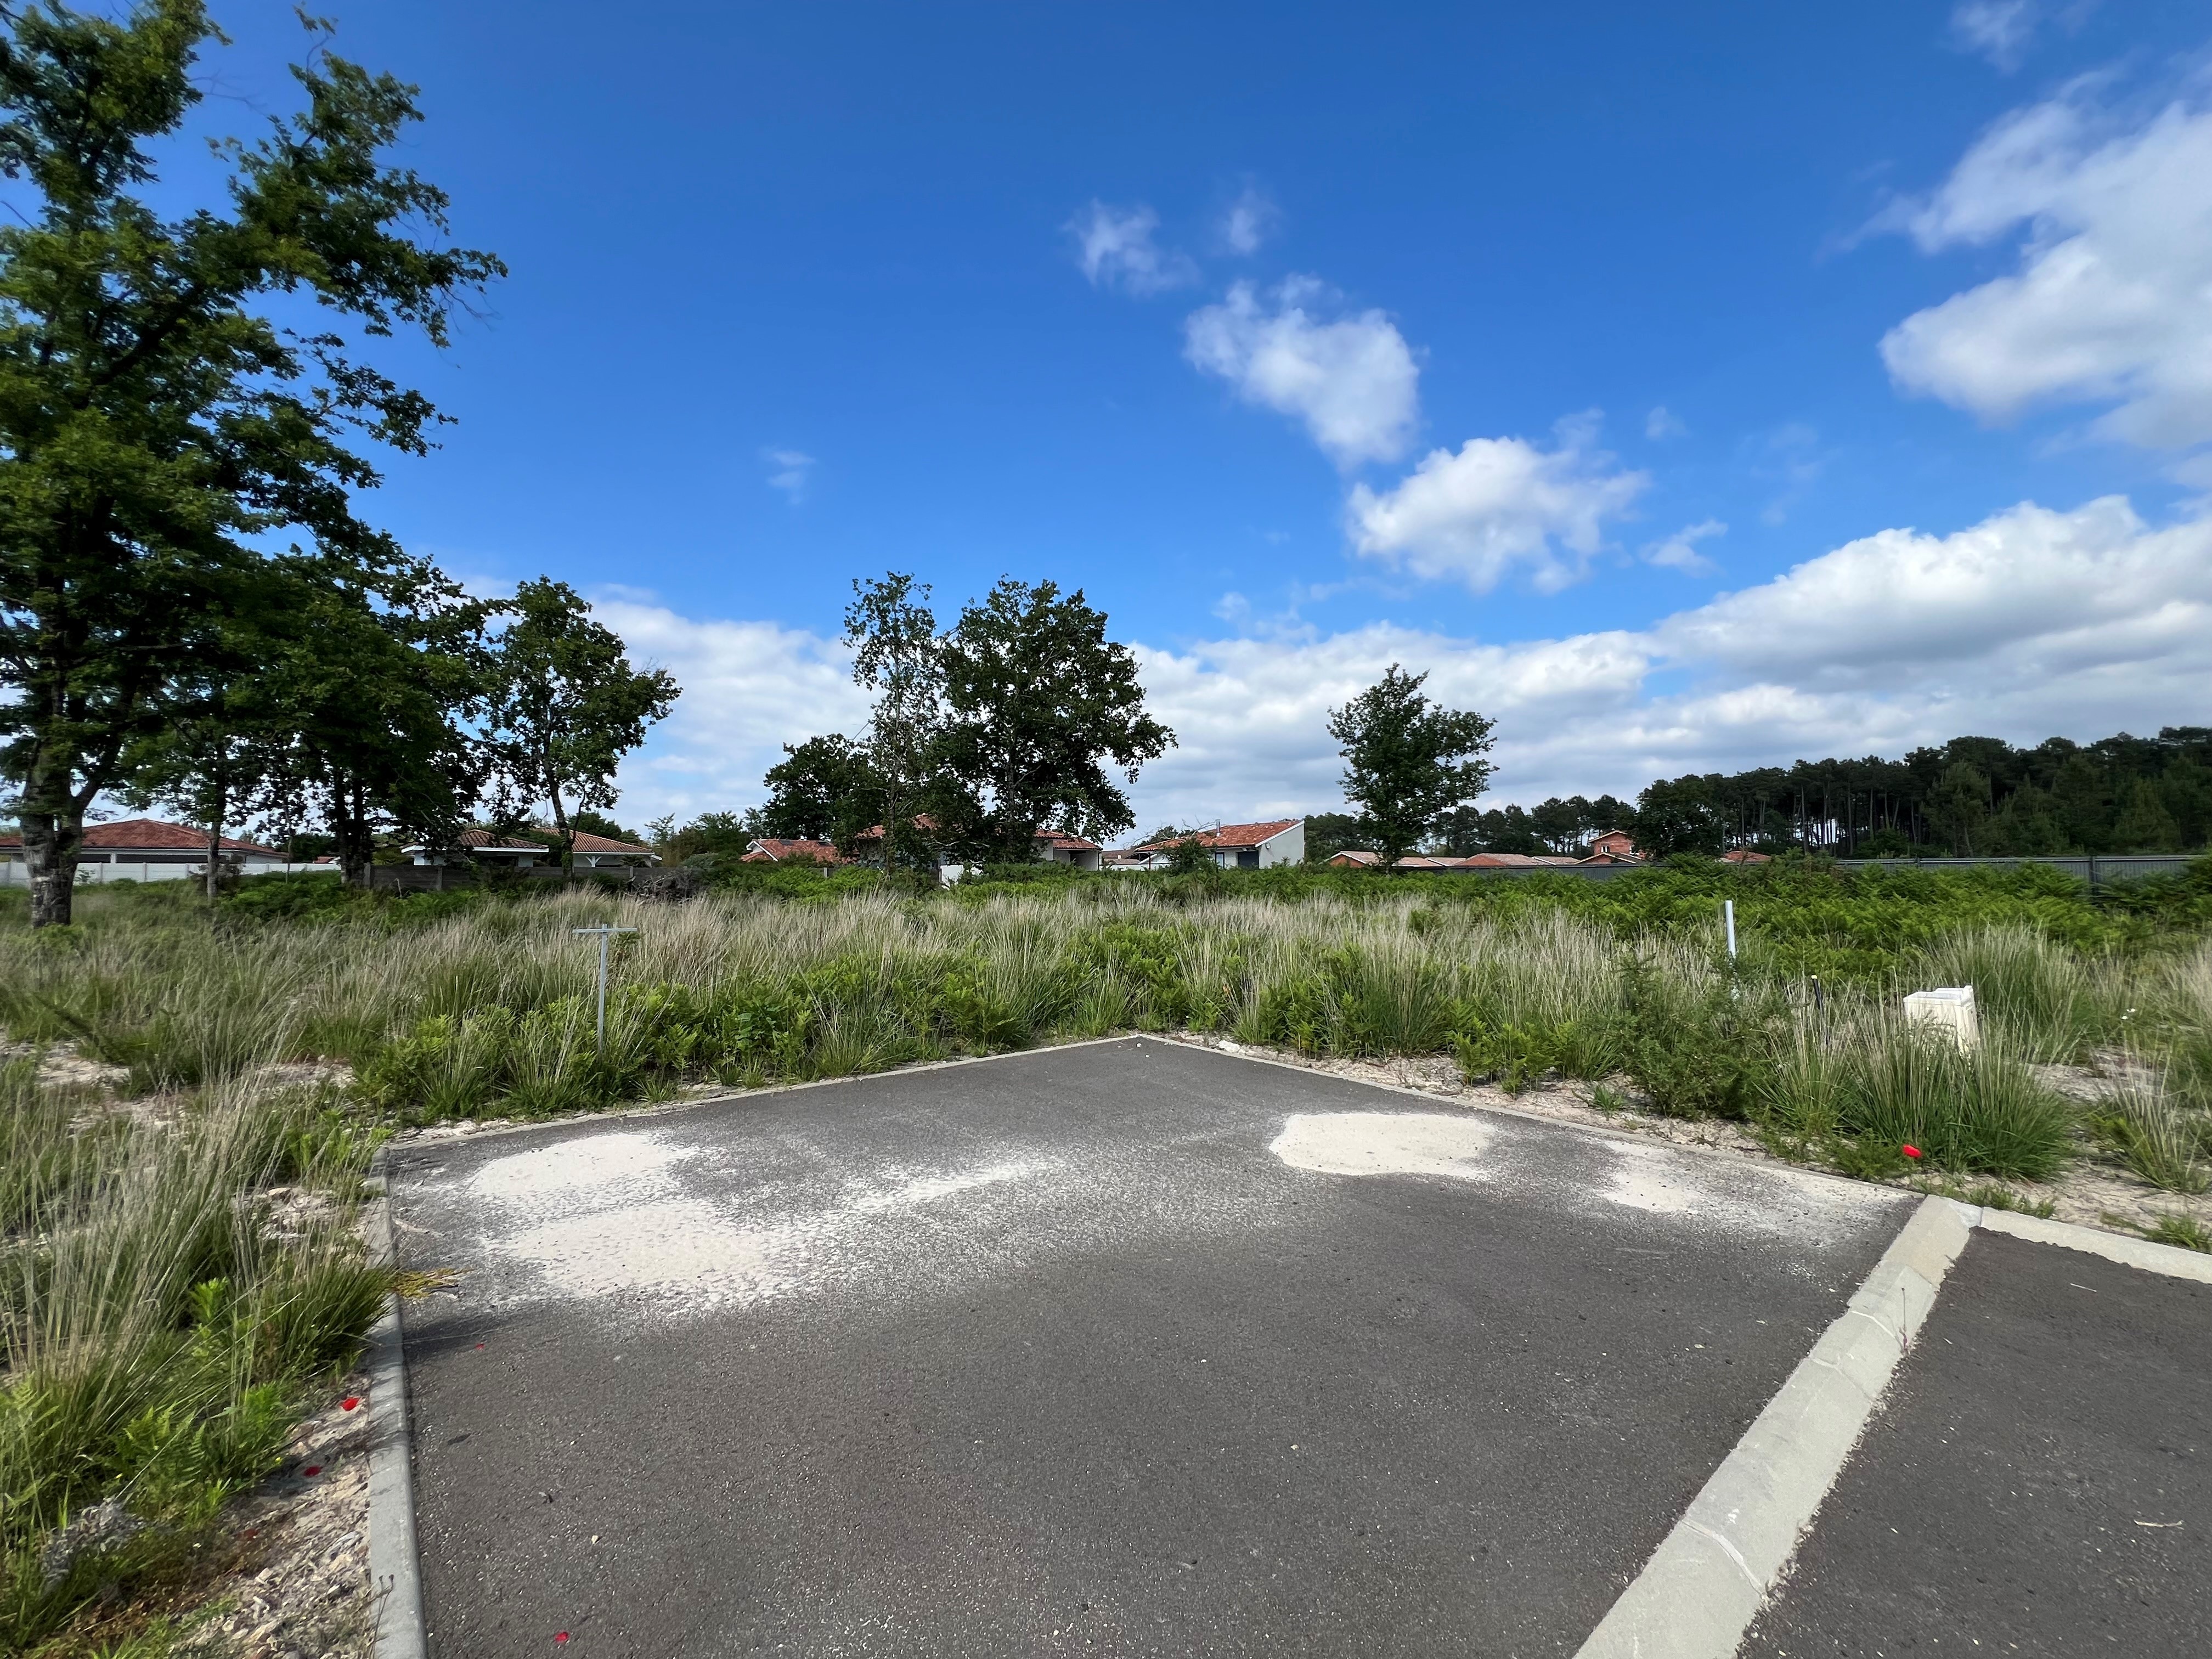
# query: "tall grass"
159,1331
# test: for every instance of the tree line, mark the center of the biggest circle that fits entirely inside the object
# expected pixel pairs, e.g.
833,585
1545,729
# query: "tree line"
1969,796
192,610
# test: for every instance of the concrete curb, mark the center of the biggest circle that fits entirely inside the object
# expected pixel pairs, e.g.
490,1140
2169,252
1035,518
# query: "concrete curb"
394,1571
2168,1259
1711,1575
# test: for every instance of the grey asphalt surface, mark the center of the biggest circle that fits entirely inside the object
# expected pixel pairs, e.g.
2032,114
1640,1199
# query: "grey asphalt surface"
2038,1484
1053,1354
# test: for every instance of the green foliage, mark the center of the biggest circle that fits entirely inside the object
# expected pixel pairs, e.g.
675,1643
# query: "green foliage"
1984,1114
1408,764
157,429
2177,1228
1041,701
1704,1052
565,705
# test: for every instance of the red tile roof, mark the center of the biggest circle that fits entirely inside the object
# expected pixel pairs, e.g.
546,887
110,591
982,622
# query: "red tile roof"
1230,835
776,850
153,836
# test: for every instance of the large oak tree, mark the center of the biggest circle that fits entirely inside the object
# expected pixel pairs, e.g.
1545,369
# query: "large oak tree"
158,431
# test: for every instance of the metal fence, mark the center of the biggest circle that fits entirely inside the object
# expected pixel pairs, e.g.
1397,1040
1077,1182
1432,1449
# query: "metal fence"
2098,871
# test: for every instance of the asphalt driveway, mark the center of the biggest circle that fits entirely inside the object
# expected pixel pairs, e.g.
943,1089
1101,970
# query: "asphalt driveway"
1121,1348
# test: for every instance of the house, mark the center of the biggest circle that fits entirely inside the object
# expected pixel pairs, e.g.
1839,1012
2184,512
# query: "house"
1354,858
1056,847
1053,846
481,847
146,849
1239,846
1617,845
1745,855
777,849
1134,858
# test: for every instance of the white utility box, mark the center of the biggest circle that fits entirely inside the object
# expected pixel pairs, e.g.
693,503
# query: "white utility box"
1947,1011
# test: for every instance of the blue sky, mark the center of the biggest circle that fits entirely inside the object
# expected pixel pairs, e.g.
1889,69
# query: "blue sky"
1533,347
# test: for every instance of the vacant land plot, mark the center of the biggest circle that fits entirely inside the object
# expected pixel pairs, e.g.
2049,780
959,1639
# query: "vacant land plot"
1133,1347
191,1094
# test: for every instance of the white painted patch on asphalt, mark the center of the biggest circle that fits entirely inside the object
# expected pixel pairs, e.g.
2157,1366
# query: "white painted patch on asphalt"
1385,1143
640,1217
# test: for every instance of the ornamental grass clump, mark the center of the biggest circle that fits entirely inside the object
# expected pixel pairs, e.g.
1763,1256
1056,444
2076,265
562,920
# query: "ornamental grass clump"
1983,1113
162,1329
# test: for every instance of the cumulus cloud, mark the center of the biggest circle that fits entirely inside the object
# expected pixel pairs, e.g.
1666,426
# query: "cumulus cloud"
2111,302
748,689
1114,248
1351,379
1680,550
2031,622
1250,220
1475,514
788,472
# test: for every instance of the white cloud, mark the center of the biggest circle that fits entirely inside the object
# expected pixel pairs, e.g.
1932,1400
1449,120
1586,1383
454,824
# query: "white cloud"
748,689
1475,514
1662,423
1250,220
1353,380
1680,550
2112,300
1999,30
2033,623
788,472
1115,247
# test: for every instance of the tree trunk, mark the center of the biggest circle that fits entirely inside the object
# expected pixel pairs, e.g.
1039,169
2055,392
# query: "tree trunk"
215,848
51,844
561,829
356,850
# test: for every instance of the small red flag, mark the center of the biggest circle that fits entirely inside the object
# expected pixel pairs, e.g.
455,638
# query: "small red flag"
1910,1152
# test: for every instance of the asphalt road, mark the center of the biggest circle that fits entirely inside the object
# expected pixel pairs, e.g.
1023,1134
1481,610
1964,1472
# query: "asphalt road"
2040,1482
1128,1348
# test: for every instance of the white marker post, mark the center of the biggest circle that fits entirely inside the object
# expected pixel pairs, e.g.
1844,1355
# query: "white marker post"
603,935
1728,915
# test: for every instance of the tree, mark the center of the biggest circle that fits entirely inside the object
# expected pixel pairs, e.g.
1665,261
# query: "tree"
2145,825
1327,834
368,701
898,657
823,789
1678,816
566,705
1040,700
1959,806
156,429
1407,763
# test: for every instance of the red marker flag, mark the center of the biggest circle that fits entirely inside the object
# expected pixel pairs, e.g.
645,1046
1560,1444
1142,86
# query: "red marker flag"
1910,1152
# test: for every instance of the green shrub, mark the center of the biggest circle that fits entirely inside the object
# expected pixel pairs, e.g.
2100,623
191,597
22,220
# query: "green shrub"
1982,1114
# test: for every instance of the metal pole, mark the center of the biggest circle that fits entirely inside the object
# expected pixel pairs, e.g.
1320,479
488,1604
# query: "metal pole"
603,990
605,935
1728,914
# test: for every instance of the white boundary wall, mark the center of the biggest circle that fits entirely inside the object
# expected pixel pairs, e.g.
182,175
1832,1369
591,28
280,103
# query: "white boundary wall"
14,872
